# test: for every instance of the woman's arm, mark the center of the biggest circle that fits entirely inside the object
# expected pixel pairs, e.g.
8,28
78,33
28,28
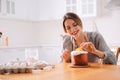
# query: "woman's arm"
66,49
98,46
65,56
102,47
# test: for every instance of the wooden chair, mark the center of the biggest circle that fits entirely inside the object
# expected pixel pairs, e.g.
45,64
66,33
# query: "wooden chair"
117,52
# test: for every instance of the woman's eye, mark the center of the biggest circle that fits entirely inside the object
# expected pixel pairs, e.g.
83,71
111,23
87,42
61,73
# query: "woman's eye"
68,28
75,24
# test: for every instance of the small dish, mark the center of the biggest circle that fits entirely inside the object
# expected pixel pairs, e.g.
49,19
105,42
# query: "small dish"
78,66
36,71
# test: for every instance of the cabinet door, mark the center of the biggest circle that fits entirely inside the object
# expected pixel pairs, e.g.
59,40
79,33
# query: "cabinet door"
7,8
21,9
33,9
84,8
51,9
27,9
18,9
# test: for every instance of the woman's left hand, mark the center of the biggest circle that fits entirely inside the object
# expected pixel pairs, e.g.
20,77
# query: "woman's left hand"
88,46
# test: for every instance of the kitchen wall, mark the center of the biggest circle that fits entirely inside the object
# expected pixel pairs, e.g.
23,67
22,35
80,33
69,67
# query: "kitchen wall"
19,32
22,34
109,27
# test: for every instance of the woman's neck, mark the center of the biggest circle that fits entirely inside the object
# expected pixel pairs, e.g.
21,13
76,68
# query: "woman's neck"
81,38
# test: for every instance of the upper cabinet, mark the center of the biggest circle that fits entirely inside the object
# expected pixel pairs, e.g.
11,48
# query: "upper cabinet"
84,8
19,9
32,9
51,9
24,9
7,8
37,10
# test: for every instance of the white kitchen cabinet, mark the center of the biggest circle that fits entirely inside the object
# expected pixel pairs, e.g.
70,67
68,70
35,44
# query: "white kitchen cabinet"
18,9
34,10
45,53
21,9
7,8
26,9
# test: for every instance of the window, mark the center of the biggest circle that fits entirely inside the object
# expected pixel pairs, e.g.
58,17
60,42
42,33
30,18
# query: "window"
85,8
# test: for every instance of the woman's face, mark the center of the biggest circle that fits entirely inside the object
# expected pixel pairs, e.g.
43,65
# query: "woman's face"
73,28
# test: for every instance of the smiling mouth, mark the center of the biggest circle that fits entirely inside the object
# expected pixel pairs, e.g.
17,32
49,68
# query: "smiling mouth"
75,32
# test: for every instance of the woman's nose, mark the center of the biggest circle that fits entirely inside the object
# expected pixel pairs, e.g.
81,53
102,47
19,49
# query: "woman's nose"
73,29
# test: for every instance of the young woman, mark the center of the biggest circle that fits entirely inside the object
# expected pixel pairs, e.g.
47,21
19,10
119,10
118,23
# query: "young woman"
92,42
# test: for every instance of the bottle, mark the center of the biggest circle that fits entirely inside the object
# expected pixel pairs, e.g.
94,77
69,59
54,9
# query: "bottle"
6,41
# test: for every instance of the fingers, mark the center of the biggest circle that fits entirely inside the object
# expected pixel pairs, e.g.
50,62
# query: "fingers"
88,46
65,55
84,45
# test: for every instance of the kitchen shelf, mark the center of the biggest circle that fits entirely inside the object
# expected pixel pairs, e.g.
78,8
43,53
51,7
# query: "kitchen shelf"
17,47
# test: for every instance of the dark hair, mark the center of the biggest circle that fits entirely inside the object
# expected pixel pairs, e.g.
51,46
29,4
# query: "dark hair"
72,16
0,34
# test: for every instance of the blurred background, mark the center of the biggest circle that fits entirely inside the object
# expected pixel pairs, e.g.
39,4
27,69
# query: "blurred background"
38,24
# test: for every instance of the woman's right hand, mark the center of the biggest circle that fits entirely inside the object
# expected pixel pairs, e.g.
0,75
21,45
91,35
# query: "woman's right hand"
65,55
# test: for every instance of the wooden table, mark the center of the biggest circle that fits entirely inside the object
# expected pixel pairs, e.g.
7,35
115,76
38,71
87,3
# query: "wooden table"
63,71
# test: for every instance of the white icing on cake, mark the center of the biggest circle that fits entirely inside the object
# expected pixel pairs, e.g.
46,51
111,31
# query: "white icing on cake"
78,52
